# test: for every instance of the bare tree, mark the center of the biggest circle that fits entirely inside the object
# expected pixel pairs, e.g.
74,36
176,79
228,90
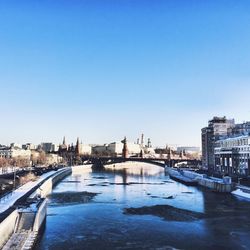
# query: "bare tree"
3,164
41,158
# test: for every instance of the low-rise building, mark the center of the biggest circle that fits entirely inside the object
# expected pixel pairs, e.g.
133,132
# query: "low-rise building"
53,159
84,149
29,146
15,145
115,148
14,152
99,149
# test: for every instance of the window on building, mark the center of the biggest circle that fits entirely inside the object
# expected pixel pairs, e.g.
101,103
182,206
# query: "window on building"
230,162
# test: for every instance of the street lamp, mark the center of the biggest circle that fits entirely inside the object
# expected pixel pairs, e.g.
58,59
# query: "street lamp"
14,181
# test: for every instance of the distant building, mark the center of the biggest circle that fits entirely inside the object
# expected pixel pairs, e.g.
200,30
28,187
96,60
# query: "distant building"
15,145
49,147
63,148
232,156
85,149
115,148
81,149
217,129
188,150
53,159
14,152
29,146
100,149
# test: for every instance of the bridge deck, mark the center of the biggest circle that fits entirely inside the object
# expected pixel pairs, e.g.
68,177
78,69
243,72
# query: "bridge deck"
105,160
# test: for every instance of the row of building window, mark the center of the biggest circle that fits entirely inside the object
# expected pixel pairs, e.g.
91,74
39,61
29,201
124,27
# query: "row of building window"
233,142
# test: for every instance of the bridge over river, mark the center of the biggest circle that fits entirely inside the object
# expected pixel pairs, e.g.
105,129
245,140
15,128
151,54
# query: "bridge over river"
100,162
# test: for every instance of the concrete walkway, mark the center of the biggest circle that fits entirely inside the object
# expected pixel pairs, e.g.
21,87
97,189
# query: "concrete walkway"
16,241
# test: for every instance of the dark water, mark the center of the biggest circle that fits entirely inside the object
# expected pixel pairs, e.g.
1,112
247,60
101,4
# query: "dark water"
88,211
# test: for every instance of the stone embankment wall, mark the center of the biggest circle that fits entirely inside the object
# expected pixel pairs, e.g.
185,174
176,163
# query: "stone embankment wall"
7,227
9,224
193,175
219,185
40,216
46,188
216,186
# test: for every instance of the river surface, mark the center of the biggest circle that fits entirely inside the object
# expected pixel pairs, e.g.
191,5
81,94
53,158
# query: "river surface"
137,206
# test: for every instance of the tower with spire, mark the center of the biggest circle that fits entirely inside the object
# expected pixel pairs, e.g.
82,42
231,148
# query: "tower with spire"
142,140
63,148
77,149
125,148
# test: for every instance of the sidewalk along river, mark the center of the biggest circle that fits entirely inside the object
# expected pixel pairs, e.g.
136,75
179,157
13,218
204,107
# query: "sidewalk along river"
137,206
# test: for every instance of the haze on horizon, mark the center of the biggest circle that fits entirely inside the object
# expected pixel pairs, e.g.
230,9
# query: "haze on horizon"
101,70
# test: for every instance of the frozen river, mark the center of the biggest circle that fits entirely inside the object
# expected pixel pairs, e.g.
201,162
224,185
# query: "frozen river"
137,206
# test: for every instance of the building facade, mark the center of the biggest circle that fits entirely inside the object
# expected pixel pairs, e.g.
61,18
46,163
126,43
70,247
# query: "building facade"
49,147
53,159
85,149
232,156
115,149
29,146
239,129
217,129
226,147
14,152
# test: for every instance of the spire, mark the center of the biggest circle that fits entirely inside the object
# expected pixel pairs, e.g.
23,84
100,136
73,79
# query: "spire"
77,147
64,141
142,140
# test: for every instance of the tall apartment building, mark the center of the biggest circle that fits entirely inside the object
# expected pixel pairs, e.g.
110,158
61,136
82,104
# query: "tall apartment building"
217,129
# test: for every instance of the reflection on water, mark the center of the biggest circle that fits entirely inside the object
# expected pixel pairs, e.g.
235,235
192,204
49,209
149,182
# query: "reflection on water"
136,206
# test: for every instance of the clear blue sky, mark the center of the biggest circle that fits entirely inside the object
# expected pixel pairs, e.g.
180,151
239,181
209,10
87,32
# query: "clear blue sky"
104,69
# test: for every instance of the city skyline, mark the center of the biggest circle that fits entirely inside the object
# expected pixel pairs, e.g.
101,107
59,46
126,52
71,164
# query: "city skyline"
100,71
